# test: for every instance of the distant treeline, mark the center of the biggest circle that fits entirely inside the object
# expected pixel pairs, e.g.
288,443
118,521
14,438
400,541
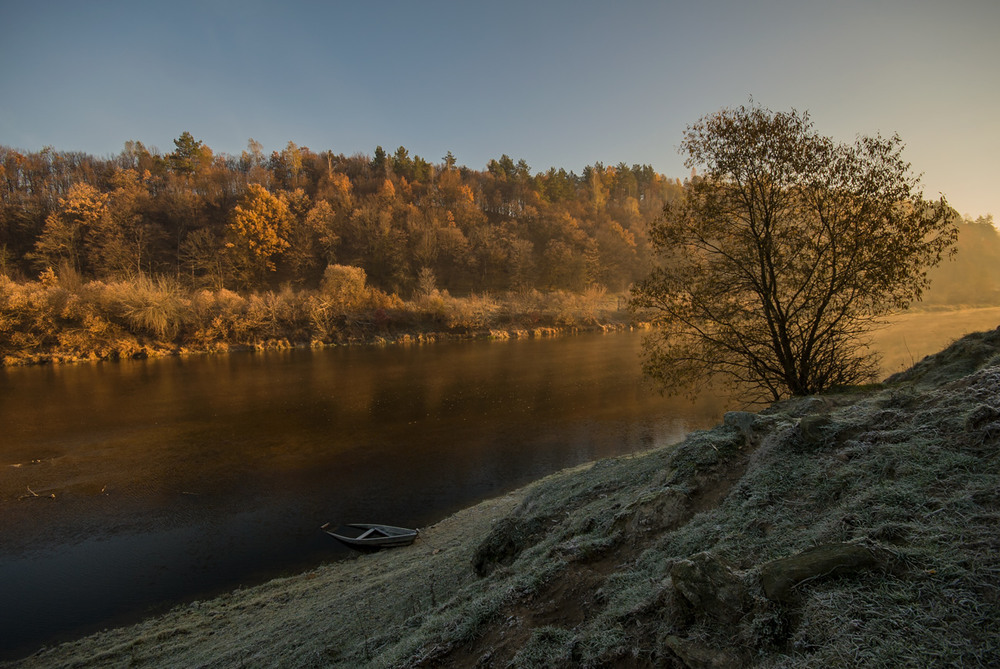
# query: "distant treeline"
143,253
973,277
253,222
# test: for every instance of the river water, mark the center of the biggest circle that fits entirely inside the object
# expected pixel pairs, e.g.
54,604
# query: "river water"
128,487
175,479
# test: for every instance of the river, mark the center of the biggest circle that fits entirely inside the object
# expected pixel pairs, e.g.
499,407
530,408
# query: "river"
129,487
179,478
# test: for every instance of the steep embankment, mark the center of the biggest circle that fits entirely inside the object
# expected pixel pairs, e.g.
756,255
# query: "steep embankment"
853,529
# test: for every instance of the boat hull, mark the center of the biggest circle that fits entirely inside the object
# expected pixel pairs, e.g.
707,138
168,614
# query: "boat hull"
364,535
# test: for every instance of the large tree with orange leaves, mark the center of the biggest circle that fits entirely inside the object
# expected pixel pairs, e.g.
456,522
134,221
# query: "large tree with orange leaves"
257,232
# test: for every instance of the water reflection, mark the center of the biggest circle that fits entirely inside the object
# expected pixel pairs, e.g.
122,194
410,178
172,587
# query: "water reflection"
177,478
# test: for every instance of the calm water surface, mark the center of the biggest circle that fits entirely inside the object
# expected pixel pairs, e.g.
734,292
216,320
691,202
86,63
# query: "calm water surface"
177,479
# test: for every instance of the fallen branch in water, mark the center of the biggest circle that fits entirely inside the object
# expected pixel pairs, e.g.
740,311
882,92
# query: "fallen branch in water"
36,495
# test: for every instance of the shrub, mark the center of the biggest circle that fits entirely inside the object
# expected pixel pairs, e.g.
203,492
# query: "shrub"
343,288
155,306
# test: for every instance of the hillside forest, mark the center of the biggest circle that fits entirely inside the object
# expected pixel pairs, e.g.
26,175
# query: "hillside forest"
201,249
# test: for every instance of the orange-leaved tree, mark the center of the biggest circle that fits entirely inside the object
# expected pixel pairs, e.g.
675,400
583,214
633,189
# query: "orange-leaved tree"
257,232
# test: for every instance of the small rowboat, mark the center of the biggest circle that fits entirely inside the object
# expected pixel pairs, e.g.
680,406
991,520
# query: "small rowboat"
361,535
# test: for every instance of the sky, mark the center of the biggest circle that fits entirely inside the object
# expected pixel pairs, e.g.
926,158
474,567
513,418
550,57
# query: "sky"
558,83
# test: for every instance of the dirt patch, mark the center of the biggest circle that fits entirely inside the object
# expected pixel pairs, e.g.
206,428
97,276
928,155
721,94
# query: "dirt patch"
578,594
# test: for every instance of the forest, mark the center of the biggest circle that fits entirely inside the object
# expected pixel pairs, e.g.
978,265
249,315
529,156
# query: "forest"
253,222
99,257
204,250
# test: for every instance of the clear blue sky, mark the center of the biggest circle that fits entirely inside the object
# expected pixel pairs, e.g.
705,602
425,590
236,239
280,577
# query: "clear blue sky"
561,83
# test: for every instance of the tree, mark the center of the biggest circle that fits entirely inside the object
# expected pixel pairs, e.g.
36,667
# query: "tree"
202,254
301,257
287,165
253,164
783,255
322,221
258,231
119,243
344,289
974,277
190,155
380,162
64,236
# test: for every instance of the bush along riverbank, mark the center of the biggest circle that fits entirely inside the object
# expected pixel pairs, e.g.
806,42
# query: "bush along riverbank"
63,319
859,528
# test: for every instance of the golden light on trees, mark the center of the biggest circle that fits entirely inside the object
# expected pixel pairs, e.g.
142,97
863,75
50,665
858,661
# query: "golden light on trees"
258,230
64,235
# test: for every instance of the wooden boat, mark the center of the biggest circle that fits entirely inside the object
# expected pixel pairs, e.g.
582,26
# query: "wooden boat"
362,535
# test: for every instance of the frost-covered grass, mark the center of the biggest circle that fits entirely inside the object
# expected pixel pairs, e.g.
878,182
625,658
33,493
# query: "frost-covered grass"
915,471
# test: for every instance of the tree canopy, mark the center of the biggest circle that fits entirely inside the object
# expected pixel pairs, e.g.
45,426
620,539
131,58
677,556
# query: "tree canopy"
255,221
783,252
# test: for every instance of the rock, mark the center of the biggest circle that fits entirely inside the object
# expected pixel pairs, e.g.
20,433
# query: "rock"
814,430
796,407
742,421
709,584
779,577
698,656
504,543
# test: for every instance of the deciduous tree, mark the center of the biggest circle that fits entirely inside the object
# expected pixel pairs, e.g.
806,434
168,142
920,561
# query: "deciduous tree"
780,259
119,242
258,231
64,236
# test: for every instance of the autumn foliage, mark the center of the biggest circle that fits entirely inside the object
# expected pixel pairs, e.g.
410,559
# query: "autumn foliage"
198,249
781,259
255,222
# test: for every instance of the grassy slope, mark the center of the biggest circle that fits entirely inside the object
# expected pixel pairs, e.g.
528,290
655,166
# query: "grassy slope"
581,569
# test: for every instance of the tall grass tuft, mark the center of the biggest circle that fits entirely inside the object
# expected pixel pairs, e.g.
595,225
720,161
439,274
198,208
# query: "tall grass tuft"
157,306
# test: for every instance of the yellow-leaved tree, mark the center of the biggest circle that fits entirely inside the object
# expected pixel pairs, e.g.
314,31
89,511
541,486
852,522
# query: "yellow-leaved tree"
62,241
257,233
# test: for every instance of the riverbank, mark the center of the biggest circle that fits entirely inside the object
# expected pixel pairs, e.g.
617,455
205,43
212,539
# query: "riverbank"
62,320
859,528
57,320
129,349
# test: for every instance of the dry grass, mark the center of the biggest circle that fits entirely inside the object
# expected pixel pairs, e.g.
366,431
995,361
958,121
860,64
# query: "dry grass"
911,336
61,318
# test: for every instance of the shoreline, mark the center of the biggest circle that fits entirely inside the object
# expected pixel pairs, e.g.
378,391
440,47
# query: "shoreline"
437,563
129,350
151,350
57,321
559,544
143,348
